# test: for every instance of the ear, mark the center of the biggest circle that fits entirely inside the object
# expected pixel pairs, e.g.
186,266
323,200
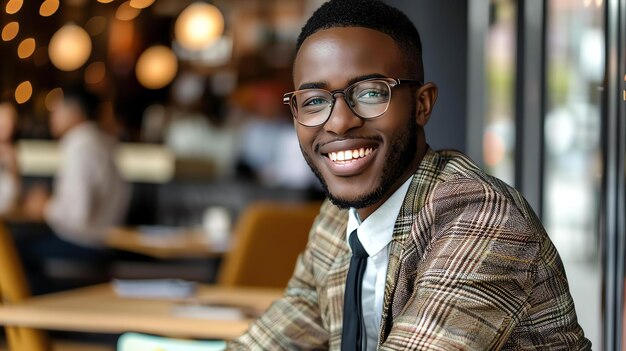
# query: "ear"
425,98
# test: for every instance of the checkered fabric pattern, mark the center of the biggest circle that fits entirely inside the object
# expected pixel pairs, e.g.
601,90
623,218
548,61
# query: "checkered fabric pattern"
470,268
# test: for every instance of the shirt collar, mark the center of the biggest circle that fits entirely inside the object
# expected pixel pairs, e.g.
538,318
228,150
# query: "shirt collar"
376,231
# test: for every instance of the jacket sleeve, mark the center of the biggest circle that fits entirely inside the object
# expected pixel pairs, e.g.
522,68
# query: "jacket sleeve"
480,277
293,322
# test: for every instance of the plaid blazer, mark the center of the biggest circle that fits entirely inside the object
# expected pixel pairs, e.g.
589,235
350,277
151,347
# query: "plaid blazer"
470,268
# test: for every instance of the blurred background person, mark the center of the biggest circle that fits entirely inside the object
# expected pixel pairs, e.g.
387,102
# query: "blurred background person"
9,174
89,193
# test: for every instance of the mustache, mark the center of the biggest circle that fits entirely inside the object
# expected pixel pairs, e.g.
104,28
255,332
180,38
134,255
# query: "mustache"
318,145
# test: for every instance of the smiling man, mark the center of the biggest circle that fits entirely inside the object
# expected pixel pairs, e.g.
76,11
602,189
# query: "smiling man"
415,249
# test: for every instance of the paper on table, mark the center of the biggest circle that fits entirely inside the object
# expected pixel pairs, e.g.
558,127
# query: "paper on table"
134,342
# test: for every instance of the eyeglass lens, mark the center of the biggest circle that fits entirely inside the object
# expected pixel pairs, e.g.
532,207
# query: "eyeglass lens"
366,99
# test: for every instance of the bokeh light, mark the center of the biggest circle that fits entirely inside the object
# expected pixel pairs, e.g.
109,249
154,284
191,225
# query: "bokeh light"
95,73
69,48
199,26
52,97
48,8
126,12
105,1
9,32
23,92
156,67
494,148
26,48
96,25
141,4
13,6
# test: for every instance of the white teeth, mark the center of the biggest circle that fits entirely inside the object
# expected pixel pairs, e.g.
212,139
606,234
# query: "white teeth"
348,155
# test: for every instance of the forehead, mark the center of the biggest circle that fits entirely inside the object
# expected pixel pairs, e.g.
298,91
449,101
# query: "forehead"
334,56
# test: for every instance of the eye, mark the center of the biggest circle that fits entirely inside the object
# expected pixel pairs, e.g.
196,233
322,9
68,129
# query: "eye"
318,100
372,96
314,103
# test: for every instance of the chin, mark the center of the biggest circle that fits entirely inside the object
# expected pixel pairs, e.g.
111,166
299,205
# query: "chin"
352,194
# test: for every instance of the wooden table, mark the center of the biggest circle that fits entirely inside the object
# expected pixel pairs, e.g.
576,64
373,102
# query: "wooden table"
179,243
98,309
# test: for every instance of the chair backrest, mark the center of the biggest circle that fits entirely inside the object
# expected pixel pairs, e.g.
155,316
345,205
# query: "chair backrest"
14,289
267,241
142,342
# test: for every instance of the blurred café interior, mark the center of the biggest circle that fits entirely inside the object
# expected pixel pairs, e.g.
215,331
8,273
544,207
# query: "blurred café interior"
218,198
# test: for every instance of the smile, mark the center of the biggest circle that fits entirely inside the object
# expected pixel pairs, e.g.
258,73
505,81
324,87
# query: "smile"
349,155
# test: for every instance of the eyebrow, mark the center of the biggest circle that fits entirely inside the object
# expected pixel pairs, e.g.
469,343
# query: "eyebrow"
324,85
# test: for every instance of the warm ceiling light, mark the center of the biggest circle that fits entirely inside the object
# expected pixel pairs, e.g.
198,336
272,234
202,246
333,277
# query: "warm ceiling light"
126,13
13,6
9,32
95,73
199,26
141,4
26,48
96,25
69,48
156,67
23,92
105,1
48,7
52,97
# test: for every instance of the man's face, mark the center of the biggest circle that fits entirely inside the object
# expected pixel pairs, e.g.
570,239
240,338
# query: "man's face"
65,114
332,59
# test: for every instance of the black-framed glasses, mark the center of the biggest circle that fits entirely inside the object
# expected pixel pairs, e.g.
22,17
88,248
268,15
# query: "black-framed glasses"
368,98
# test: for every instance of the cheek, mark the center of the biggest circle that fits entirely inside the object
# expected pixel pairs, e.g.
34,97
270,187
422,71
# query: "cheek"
394,122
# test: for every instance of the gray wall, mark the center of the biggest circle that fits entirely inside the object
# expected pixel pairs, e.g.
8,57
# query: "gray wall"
443,28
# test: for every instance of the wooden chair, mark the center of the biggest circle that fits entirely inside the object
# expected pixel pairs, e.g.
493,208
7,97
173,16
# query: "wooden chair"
267,241
14,289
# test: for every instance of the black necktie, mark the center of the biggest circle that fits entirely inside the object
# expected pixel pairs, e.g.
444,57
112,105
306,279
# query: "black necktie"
353,333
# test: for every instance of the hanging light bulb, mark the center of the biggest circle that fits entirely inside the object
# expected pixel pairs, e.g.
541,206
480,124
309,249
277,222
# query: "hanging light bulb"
199,26
69,48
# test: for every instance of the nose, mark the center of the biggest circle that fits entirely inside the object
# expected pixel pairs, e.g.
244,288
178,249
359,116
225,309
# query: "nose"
342,119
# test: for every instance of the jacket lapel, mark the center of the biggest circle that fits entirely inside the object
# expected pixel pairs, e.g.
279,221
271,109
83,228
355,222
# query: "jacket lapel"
405,249
336,280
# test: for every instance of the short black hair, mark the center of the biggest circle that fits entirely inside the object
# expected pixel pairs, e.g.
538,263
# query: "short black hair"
87,101
372,14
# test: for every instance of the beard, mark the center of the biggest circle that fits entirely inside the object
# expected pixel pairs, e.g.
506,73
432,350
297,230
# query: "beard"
400,157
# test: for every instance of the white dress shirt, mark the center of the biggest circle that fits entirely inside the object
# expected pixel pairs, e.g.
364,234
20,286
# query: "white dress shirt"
375,234
89,193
